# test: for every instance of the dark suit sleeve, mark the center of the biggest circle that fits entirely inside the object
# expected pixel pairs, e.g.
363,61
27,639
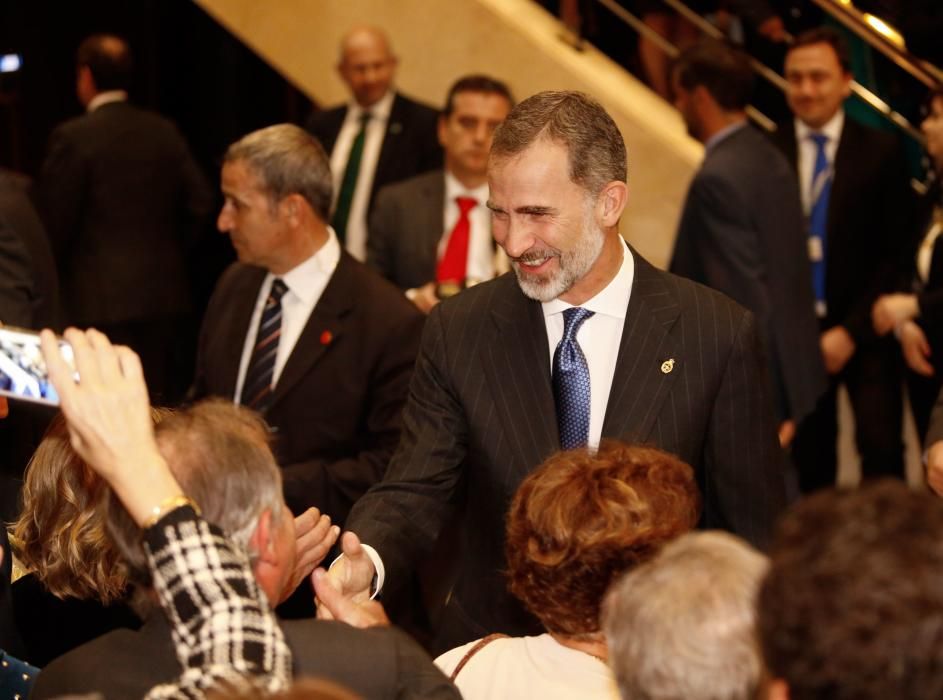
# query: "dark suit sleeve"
724,241
744,482
403,515
380,239
196,197
16,279
61,192
894,223
334,485
935,429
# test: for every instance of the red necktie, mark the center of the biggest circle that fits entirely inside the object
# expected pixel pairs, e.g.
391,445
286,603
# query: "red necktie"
453,264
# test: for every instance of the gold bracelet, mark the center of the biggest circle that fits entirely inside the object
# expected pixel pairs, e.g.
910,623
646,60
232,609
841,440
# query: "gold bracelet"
168,505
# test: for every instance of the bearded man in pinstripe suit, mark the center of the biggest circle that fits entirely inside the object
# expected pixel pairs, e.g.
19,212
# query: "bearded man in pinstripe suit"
666,362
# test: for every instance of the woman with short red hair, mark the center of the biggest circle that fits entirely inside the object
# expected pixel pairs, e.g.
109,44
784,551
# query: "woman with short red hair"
575,525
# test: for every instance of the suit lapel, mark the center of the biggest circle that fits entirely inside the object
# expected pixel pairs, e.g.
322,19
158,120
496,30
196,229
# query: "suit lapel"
429,222
648,357
324,327
391,139
518,365
844,170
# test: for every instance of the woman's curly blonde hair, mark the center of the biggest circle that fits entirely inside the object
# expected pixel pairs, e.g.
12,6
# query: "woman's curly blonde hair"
60,535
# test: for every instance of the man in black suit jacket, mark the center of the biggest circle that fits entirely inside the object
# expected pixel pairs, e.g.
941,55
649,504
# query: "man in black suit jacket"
348,338
670,363
742,230
218,454
414,221
868,210
400,137
122,200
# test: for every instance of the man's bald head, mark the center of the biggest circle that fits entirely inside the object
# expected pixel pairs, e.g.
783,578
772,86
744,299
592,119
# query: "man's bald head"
366,64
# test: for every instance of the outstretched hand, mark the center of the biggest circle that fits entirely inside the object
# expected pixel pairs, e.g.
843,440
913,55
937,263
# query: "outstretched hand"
109,420
314,537
346,586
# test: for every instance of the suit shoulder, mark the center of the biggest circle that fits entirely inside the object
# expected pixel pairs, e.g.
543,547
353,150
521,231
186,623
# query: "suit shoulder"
407,189
379,296
415,108
694,298
321,122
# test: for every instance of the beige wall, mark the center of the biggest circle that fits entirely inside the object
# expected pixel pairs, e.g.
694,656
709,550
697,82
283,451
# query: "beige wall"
515,40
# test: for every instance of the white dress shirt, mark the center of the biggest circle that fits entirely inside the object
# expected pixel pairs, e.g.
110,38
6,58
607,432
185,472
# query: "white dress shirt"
480,264
306,283
355,236
806,152
599,337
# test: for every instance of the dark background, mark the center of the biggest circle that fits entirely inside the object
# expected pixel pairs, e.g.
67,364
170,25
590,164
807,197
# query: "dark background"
187,67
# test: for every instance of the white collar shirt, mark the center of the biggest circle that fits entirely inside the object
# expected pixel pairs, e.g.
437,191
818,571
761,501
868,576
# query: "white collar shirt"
480,264
306,283
806,152
599,337
106,97
355,236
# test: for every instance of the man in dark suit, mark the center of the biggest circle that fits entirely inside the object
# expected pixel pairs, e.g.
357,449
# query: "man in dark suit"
219,455
380,137
122,199
742,230
330,371
638,354
854,185
431,235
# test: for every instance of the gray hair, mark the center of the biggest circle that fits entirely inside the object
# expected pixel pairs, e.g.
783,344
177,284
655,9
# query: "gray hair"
288,160
219,454
682,624
575,120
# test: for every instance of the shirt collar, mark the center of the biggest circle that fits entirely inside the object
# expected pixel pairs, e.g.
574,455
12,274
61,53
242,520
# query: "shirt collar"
832,128
104,98
302,280
613,299
379,110
723,134
454,188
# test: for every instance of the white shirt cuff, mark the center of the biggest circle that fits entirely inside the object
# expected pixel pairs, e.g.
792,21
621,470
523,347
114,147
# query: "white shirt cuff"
380,575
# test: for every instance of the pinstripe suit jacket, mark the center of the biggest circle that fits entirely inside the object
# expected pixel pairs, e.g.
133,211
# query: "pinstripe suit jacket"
480,416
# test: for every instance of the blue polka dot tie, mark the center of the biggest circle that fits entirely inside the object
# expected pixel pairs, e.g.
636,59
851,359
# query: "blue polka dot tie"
571,382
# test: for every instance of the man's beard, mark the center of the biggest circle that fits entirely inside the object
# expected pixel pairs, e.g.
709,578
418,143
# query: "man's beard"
571,267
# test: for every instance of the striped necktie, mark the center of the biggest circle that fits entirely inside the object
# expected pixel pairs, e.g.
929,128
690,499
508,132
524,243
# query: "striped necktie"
257,387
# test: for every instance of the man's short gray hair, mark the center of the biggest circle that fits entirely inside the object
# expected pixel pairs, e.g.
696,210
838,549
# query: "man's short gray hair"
287,160
219,454
682,624
574,120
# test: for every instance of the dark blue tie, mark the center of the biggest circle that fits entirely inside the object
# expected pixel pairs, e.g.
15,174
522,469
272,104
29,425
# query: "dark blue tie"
257,387
818,217
571,382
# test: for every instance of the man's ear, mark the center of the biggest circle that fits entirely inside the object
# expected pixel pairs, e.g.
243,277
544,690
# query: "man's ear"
291,207
262,540
777,690
611,202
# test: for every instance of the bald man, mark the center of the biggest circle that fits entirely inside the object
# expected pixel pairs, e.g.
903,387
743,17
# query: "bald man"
390,136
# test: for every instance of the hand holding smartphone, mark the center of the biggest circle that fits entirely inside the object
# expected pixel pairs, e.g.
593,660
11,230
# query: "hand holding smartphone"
23,373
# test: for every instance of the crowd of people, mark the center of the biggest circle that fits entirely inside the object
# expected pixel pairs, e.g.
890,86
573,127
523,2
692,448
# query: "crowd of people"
449,434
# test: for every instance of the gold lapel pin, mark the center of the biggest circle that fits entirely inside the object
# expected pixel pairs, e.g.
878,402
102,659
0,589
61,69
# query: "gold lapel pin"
667,366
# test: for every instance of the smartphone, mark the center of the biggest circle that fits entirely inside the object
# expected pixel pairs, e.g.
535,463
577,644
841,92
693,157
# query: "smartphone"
23,372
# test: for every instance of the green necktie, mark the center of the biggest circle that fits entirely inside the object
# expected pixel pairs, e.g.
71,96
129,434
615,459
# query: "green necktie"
349,182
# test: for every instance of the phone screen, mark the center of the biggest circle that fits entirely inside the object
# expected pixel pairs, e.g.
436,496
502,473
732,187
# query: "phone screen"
22,368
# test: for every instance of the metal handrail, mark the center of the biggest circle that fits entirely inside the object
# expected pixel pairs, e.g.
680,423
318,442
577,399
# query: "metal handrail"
868,97
855,20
